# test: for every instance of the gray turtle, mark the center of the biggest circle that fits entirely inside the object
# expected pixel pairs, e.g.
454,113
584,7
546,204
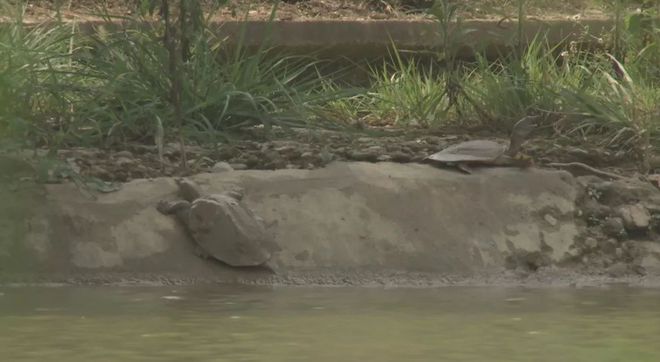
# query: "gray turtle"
486,152
222,226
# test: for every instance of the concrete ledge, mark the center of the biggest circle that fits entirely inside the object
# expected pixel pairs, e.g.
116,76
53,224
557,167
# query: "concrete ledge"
373,38
349,217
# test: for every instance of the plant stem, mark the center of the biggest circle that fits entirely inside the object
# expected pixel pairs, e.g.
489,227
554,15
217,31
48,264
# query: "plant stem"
174,62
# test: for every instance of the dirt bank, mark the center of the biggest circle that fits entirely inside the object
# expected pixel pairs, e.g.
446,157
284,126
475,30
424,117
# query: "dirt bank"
353,223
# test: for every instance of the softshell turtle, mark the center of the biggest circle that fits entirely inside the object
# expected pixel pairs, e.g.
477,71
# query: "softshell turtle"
221,225
486,152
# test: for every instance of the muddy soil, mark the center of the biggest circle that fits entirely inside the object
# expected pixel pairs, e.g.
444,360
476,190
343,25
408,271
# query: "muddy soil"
337,9
310,149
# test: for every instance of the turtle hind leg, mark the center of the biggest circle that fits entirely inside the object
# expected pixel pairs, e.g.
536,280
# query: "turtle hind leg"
201,253
464,168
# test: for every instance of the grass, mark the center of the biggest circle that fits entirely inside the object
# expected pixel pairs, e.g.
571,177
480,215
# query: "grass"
63,88
59,87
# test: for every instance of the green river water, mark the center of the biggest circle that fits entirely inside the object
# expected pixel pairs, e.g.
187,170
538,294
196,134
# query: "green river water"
223,323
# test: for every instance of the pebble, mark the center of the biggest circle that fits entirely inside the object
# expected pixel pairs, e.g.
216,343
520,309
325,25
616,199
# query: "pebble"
617,270
124,161
618,252
550,219
635,217
238,166
613,226
591,243
400,156
126,154
363,156
222,167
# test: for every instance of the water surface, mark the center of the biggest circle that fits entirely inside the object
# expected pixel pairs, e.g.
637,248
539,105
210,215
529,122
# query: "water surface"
334,324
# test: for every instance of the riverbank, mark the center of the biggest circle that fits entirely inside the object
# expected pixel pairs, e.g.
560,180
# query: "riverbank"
350,223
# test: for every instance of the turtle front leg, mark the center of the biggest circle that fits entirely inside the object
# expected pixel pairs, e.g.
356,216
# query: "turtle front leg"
464,168
173,207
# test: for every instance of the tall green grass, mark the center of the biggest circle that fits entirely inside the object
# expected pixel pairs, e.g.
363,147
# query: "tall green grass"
39,80
62,87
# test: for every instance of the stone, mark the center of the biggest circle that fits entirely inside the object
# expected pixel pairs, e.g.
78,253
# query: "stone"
364,156
384,158
618,270
124,161
222,167
126,154
400,156
591,243
550,219
238,166
100,172
307,155
635,217
617,193
613,226
618,252
651,264
592,210
609,246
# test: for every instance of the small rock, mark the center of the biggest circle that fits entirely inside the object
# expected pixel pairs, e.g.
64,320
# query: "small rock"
435,140
618,252
591,209
609,246
400,156
253,160
651,264
126,154
384,158
617,270
124,161
238,166
363,156
550,219
285,149
375,149
635,217
222,167
613,226
615,193
99,172
591,243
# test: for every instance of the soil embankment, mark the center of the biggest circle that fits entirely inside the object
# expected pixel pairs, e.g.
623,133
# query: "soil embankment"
355,222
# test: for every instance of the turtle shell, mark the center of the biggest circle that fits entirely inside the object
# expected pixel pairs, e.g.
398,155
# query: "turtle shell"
228,231
477,151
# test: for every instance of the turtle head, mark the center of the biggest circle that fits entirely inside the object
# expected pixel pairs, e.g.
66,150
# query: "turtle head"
521,132
188,189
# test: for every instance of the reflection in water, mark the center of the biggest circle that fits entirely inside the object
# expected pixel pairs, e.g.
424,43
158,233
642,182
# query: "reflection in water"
298,324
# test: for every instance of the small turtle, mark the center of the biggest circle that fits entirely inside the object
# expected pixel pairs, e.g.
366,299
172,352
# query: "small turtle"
222,227
486,152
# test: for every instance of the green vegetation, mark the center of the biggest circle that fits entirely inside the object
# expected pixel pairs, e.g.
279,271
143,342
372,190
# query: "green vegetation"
175,79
